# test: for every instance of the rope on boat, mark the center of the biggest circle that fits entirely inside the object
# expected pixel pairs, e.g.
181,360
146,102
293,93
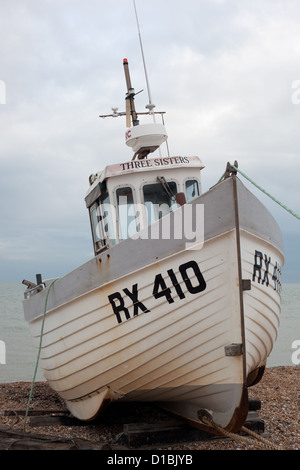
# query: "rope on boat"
261,441
235,168
38,356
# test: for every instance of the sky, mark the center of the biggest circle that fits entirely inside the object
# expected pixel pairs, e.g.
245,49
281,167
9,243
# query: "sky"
227,73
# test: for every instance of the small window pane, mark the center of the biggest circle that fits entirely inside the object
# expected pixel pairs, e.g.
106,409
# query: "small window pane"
107,219
191,189
95,223
157,201
126,213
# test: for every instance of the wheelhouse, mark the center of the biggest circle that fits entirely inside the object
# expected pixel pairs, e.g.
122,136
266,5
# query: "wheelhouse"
125,198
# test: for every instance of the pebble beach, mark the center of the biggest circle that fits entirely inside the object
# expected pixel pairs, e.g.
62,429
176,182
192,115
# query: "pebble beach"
278,391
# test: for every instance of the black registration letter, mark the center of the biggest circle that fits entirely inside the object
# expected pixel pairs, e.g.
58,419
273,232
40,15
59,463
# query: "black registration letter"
118,308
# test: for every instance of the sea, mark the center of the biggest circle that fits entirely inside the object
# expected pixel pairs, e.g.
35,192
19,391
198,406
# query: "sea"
18,357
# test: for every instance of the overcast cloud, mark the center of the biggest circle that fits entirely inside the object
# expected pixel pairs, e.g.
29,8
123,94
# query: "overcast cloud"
227,72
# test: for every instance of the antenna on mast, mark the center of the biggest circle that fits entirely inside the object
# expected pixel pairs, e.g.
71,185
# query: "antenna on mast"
146,138
149,106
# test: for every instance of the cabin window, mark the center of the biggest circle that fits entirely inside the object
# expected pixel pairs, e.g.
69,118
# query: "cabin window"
99,237
159,200
95,223
191,189
127,224
108,227
102,224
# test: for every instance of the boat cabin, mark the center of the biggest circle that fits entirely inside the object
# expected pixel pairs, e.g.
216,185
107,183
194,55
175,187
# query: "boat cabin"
127,197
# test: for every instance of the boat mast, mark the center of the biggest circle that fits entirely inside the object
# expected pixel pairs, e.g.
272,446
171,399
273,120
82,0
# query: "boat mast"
130,97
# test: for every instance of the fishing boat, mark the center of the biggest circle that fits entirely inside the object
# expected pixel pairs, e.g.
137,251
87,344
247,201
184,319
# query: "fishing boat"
180,303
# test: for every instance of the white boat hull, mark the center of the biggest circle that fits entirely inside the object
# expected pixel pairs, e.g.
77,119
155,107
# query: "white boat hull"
191,345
